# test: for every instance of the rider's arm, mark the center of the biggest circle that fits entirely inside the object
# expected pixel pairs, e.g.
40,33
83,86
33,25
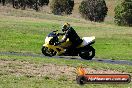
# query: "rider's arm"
65,37
60,34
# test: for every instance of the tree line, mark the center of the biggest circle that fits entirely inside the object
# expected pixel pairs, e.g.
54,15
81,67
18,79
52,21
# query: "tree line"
34,4
93,10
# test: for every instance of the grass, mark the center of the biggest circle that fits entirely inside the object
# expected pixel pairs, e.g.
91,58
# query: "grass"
24,31
10,80
27,35
72,63
36,82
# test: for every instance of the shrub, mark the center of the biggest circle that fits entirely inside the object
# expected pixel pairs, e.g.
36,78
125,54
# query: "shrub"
43,2
93,10
123,13
59,7
34,4
3,2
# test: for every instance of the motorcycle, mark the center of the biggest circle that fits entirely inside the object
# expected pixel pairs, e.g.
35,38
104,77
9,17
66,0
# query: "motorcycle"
84,50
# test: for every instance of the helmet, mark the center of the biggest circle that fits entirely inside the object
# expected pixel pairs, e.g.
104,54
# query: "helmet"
65,27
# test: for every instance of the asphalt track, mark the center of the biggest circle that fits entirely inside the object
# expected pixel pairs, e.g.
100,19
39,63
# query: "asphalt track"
122,62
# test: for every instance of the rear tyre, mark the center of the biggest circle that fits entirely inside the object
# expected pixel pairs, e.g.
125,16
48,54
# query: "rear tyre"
48,52
87,53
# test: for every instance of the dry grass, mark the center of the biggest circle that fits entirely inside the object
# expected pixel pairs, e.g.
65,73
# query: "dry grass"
46,9
31,69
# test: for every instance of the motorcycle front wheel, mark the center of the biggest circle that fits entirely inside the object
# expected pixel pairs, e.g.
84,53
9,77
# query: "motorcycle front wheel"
48,52
87,53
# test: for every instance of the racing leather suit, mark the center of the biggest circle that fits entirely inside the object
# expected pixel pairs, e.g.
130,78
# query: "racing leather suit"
73,37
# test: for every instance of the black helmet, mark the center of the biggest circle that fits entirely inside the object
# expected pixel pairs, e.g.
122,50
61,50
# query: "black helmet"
65,27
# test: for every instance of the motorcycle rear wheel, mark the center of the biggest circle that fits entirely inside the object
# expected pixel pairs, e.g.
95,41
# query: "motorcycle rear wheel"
87,53
48,52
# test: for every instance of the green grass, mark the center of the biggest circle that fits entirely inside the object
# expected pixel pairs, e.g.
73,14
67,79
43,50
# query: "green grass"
36,82
27,35
24,31
10,80
72,63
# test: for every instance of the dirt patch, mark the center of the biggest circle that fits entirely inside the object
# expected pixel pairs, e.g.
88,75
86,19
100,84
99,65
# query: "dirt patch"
31,69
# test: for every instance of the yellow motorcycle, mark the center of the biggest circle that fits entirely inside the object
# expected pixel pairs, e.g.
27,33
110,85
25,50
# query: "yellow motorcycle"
84,50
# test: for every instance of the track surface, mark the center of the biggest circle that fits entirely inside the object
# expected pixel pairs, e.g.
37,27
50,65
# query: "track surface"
123,62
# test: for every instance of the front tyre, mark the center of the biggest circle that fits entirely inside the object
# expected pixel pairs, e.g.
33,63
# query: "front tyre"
48,52
87,53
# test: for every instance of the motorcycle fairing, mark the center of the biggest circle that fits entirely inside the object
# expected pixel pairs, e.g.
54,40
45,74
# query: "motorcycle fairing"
58,49
86,41
47,40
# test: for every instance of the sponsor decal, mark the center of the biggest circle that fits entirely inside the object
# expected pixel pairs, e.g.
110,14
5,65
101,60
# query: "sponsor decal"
83,77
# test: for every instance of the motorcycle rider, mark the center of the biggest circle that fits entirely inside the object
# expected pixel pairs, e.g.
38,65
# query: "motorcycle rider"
70,33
